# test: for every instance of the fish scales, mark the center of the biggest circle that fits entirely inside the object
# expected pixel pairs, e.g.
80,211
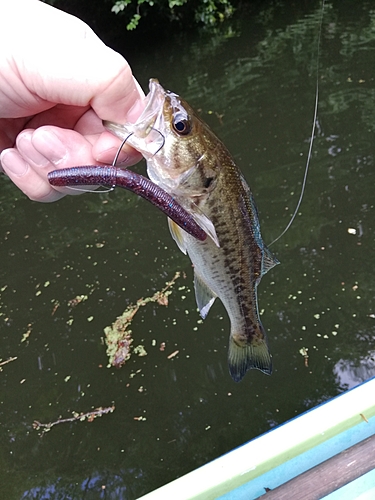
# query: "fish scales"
185,158
229,269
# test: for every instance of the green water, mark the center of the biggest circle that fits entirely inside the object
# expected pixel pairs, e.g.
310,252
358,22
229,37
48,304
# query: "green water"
254,82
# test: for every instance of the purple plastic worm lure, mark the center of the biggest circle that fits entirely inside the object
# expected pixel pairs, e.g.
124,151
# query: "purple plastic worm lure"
94,175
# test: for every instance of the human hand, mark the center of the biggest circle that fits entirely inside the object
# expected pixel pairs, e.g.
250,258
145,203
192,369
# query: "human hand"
57,82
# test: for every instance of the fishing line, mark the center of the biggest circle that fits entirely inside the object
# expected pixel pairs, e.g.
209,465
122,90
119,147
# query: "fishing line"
312,134
96,191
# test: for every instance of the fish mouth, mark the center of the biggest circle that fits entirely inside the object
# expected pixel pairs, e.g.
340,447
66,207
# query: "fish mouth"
154,105
144,135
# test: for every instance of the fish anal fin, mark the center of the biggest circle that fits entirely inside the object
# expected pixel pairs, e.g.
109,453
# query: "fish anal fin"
204,296
242,358
178,235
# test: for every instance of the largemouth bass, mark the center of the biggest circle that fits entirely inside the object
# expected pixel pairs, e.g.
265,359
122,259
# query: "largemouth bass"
187,160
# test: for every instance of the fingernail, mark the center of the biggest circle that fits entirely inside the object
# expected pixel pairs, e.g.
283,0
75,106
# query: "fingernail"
50,146
13,163
135,111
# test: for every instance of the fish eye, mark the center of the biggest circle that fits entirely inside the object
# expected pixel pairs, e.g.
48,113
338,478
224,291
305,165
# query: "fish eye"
181,124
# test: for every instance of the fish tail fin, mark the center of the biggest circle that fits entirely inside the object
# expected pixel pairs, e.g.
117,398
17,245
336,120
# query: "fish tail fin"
245,356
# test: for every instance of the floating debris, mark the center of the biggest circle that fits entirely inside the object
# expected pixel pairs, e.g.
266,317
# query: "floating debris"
304,352
118,337
9,360
56,305
26,335
77,300
173,354
140,350
89,416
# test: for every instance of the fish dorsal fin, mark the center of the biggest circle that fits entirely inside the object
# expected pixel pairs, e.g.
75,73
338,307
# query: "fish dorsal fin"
204,296
269,260
178,235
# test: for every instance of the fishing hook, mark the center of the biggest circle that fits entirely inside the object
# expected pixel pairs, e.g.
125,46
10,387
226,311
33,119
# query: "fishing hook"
120,148
115,159
163,137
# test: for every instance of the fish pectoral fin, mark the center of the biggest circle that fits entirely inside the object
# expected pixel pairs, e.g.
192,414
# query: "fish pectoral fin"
201,219
178,235
204,222
204,296
269,260
244,358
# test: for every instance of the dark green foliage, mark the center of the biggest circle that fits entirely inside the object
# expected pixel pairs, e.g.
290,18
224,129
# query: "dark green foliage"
207,12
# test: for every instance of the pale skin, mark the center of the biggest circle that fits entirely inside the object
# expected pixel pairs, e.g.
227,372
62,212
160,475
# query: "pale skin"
58,81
